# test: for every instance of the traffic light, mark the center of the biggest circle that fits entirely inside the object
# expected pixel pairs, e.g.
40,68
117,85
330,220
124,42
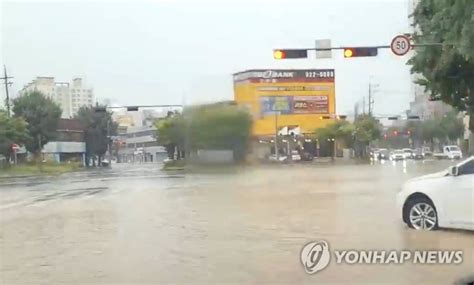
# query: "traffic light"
360,52
290,53
132,108
100,109
392,118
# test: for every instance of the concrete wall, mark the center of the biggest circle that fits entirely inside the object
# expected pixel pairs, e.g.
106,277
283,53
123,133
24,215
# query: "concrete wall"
213,156
64,147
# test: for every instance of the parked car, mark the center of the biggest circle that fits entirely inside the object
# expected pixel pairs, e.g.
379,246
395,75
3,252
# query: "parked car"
397,155
444,199
418,154
408,153
383,154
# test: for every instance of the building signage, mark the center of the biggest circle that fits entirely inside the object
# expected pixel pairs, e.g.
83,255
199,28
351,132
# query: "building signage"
287,75
294,105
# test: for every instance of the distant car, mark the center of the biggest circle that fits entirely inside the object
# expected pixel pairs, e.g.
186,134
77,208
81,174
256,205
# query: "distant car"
452,152
281,158
375,154
295,155
397,155
427,151
306,156
444,199
408,153
383,154
418,154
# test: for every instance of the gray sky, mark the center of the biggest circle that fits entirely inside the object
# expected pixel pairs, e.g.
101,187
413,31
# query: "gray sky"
156,52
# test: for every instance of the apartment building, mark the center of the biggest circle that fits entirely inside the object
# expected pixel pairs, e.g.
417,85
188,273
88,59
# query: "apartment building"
70,96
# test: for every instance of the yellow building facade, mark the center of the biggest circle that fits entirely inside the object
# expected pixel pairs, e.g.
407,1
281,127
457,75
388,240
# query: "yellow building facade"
289,100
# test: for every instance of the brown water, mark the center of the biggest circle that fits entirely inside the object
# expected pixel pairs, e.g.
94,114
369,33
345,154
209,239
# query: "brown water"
136,224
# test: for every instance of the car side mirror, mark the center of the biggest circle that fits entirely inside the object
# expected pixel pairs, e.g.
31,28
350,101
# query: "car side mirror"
454,171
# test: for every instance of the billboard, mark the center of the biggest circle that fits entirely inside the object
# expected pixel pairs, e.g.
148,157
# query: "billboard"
299,96
270,105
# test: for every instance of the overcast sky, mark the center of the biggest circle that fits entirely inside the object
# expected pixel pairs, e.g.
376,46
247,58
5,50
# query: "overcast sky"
164,52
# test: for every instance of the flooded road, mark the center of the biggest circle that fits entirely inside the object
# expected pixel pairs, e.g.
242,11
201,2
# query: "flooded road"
138,224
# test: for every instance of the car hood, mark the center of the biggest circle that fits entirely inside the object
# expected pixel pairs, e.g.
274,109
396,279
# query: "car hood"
430,176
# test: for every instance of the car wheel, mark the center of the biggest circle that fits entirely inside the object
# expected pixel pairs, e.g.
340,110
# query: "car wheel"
421,214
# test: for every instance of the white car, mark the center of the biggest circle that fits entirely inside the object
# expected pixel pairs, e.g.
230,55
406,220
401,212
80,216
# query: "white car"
397,155
408,152
444,199
452,152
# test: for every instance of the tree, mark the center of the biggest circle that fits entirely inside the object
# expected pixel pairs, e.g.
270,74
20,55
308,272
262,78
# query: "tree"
42,115
447,69
342,131
367,129
452,126
98,125
171,134
219,126
12,131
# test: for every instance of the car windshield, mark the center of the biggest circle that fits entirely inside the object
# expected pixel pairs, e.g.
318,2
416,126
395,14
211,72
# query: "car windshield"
234,141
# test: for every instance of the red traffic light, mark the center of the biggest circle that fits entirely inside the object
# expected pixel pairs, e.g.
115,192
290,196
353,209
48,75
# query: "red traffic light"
360,52
290,53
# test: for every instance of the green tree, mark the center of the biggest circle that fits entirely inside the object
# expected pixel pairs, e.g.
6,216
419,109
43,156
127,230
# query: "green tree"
448,69
171,134
340,130
42,115
98,124
12,131
452,126
219,126
367,129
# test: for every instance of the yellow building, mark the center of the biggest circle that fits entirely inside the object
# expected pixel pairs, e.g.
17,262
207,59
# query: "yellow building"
294,100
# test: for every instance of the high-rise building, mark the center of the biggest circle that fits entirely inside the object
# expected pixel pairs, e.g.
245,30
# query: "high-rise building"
69,96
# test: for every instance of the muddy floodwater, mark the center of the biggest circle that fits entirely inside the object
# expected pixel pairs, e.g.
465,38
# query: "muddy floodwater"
137,224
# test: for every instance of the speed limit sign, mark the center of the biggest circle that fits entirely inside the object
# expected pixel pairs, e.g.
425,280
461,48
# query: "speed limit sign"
400,45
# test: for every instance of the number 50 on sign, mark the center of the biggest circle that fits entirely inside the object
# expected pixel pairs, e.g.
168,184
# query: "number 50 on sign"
400,45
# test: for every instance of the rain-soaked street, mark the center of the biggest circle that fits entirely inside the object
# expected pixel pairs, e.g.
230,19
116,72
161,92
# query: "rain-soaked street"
139,224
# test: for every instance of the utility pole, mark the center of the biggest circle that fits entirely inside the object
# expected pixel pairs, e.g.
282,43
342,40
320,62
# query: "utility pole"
276,137
5,78
370,99
363,105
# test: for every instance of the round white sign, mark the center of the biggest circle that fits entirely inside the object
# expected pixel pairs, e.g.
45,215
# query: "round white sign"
400,45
